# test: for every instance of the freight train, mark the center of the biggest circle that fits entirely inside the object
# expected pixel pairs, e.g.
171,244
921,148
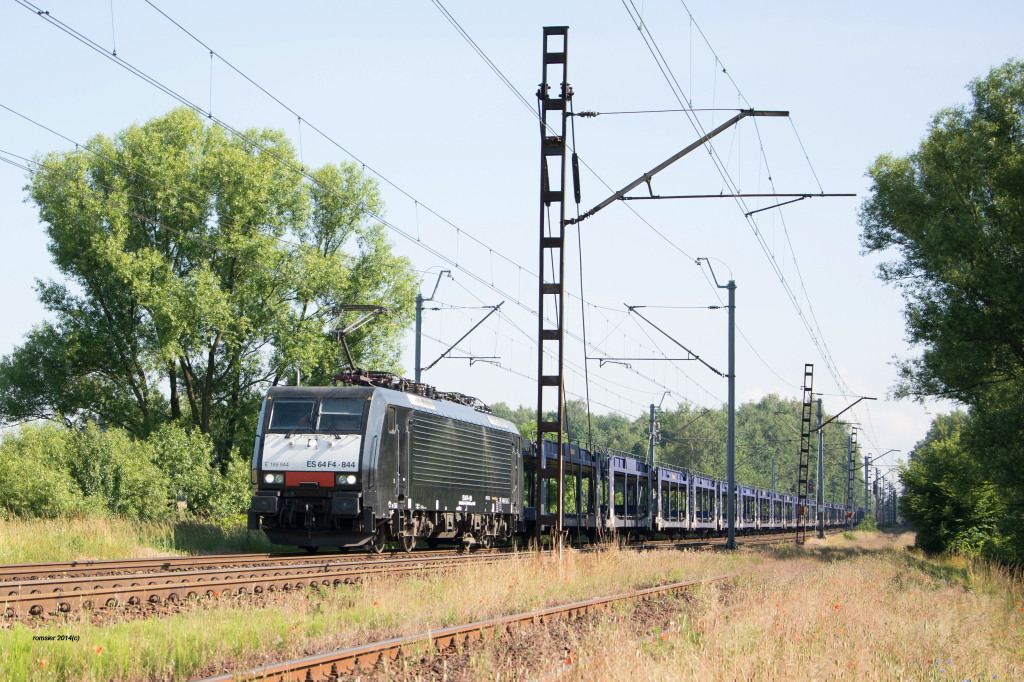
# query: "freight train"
381,459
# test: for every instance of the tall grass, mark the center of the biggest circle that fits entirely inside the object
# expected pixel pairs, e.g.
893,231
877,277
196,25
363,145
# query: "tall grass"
101,537
859,609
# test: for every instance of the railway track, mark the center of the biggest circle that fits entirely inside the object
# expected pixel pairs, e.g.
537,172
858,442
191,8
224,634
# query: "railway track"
72,569
62,587
51,596
330,665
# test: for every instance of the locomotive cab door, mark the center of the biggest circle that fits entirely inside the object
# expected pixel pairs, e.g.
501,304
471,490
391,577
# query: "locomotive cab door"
400,444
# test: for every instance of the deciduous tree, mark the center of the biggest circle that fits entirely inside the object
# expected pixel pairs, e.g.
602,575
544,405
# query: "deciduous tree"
199,267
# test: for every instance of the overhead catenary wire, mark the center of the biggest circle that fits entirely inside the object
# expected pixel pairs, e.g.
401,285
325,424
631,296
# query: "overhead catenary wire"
811,325
463,233
459,231
490,64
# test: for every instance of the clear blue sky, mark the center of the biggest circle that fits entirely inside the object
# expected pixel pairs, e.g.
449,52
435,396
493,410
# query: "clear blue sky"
396,86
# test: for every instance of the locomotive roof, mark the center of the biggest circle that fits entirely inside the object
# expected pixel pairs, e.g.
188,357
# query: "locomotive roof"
443,408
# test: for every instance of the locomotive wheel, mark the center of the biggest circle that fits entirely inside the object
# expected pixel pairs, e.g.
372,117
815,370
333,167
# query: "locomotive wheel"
377,542
408,542
311,550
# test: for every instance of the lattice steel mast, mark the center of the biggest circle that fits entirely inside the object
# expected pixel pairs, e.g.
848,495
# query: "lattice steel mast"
804,464
553,113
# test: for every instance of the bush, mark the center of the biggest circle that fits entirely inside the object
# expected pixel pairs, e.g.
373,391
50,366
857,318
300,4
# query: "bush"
50,471
868,523
33,477
111,465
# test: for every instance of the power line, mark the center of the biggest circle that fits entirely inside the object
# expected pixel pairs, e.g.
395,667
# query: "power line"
814,333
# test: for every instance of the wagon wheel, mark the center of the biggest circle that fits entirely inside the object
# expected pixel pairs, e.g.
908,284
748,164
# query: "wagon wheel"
486,541
408,542
377,542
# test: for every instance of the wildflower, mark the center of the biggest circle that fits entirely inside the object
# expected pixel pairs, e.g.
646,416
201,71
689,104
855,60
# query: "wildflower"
374,603
664,636
41,662
98,649
837,607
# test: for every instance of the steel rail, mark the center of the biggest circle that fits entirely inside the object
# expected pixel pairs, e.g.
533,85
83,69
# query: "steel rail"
332,664
65,569
41,597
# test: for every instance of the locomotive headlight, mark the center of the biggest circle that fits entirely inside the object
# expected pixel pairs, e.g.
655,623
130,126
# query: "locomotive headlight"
269,478
350,479
273,478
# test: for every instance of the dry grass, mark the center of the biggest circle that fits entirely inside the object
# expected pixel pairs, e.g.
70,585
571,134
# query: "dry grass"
862,609
856,609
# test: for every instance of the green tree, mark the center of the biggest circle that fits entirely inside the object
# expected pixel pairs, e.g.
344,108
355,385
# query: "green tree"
947,494
954,213
200,267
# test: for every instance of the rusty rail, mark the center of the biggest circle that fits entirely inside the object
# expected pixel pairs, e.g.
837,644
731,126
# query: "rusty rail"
330,665
64,569
37,597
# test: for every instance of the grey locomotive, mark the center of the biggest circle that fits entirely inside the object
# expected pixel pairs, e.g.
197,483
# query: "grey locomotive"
350,466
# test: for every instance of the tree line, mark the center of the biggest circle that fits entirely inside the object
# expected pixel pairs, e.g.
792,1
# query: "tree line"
952,214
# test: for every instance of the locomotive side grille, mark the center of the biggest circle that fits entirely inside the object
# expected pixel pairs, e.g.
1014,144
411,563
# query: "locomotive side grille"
448,452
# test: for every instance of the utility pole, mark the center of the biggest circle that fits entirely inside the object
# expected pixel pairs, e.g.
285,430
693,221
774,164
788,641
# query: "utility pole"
553,112
849,474
878,505
652,439
867,501
730,443
773,474
730,439
803,475
820,498
419,322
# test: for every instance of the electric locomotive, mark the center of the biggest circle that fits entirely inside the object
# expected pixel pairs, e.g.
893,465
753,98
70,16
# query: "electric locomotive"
383,459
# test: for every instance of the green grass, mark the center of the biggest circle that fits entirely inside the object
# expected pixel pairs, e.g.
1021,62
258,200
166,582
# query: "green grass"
42,540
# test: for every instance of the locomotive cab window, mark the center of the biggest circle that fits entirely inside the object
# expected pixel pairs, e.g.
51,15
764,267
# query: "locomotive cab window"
340,414
292,414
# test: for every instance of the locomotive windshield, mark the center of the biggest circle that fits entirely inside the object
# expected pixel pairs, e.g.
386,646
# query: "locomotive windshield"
330,415
292,414
340,414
